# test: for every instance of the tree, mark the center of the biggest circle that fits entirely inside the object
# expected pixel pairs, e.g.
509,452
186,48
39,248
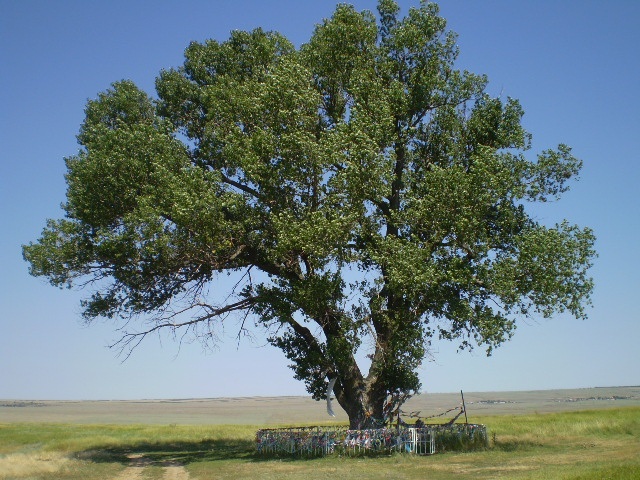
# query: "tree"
364,189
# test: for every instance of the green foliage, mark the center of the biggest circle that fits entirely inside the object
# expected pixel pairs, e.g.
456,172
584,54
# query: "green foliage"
364,187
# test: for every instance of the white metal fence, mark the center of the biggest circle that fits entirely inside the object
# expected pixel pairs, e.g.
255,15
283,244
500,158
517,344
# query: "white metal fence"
320,441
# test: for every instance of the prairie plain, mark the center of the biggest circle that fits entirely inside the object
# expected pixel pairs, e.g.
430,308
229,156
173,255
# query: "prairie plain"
584,434
266,411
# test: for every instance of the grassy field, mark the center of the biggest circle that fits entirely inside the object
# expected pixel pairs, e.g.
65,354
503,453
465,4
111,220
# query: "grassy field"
577,445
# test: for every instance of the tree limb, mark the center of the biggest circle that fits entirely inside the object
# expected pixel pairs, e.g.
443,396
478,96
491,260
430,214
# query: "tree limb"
130,340
240,186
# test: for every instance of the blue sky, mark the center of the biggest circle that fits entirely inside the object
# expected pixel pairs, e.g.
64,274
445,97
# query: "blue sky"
574,65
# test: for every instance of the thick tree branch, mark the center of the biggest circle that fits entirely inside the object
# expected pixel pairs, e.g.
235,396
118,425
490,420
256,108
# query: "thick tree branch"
241,186
130,340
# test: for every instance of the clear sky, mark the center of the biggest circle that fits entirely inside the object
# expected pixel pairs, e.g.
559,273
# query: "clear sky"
573,64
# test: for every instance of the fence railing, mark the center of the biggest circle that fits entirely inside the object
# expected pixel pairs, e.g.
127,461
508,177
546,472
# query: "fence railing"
321,441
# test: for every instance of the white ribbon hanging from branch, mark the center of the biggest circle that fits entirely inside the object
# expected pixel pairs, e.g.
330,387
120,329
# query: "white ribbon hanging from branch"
332,382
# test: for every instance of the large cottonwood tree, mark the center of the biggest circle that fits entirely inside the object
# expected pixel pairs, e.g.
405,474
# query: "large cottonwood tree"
367,189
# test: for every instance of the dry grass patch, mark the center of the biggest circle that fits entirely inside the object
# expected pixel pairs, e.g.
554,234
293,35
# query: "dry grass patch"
24,465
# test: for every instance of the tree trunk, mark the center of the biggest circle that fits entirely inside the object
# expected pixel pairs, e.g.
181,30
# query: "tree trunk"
362,399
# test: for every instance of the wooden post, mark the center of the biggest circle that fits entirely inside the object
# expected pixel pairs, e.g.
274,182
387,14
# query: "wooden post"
464,407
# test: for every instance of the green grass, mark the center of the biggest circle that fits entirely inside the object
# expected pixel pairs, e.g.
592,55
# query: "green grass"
585,445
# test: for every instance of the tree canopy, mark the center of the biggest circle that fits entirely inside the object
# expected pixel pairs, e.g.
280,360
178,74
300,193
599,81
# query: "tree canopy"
363,188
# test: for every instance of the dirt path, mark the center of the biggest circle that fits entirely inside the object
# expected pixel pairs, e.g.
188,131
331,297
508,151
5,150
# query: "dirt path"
172,470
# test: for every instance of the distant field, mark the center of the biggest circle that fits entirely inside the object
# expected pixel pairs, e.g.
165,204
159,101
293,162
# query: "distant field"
303,410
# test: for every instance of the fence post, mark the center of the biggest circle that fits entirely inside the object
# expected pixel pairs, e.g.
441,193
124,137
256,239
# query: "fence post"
464,407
